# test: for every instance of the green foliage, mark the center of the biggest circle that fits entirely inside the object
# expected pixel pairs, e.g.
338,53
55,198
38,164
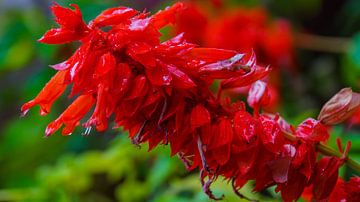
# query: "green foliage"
351,63
122,173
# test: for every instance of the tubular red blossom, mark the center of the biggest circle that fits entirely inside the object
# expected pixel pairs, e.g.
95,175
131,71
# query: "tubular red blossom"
52,90
63,16
326,175
72,26
71,116
160,93
162,18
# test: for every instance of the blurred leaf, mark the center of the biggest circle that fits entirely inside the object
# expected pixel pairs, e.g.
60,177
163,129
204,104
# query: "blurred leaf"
351,63
19,54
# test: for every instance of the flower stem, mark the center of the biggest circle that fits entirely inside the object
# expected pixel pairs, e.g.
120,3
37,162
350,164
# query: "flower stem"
322,43
328,151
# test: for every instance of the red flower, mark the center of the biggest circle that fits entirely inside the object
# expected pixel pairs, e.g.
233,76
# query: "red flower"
160,93
352,189
72,26
72,115
326,175
52,90
192,21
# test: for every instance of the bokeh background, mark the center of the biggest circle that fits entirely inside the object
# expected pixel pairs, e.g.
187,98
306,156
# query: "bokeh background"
322,54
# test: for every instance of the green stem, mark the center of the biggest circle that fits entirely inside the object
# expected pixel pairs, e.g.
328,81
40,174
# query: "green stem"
328,151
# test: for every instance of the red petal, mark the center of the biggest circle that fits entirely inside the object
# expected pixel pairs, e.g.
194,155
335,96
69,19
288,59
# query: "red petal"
256,73
304,160
352,189
99,117
114,16
258,94
72,115
222,154
271,135
106,63
139,88
180,79
280,168
164,17
174,46
294,187
246,127
60,36
67,18
159,76
224,135
199,116
312,130
52,90
326,175
211,55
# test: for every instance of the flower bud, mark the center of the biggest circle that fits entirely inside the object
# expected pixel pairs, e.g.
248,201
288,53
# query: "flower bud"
340,107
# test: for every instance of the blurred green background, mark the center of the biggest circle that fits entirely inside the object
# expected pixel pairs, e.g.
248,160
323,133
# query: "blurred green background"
106,167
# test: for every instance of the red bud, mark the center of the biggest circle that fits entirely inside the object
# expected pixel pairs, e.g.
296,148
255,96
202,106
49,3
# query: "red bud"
340,107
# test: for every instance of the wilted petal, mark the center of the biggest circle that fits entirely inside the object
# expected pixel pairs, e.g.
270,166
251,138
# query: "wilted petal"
223,69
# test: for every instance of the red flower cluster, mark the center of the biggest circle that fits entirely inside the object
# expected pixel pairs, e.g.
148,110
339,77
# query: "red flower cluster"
160,93
241,29
344,191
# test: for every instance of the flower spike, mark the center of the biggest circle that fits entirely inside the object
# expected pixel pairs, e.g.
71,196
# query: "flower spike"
161,93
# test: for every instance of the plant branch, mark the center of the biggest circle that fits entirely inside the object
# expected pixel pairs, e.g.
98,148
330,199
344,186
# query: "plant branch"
322,43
